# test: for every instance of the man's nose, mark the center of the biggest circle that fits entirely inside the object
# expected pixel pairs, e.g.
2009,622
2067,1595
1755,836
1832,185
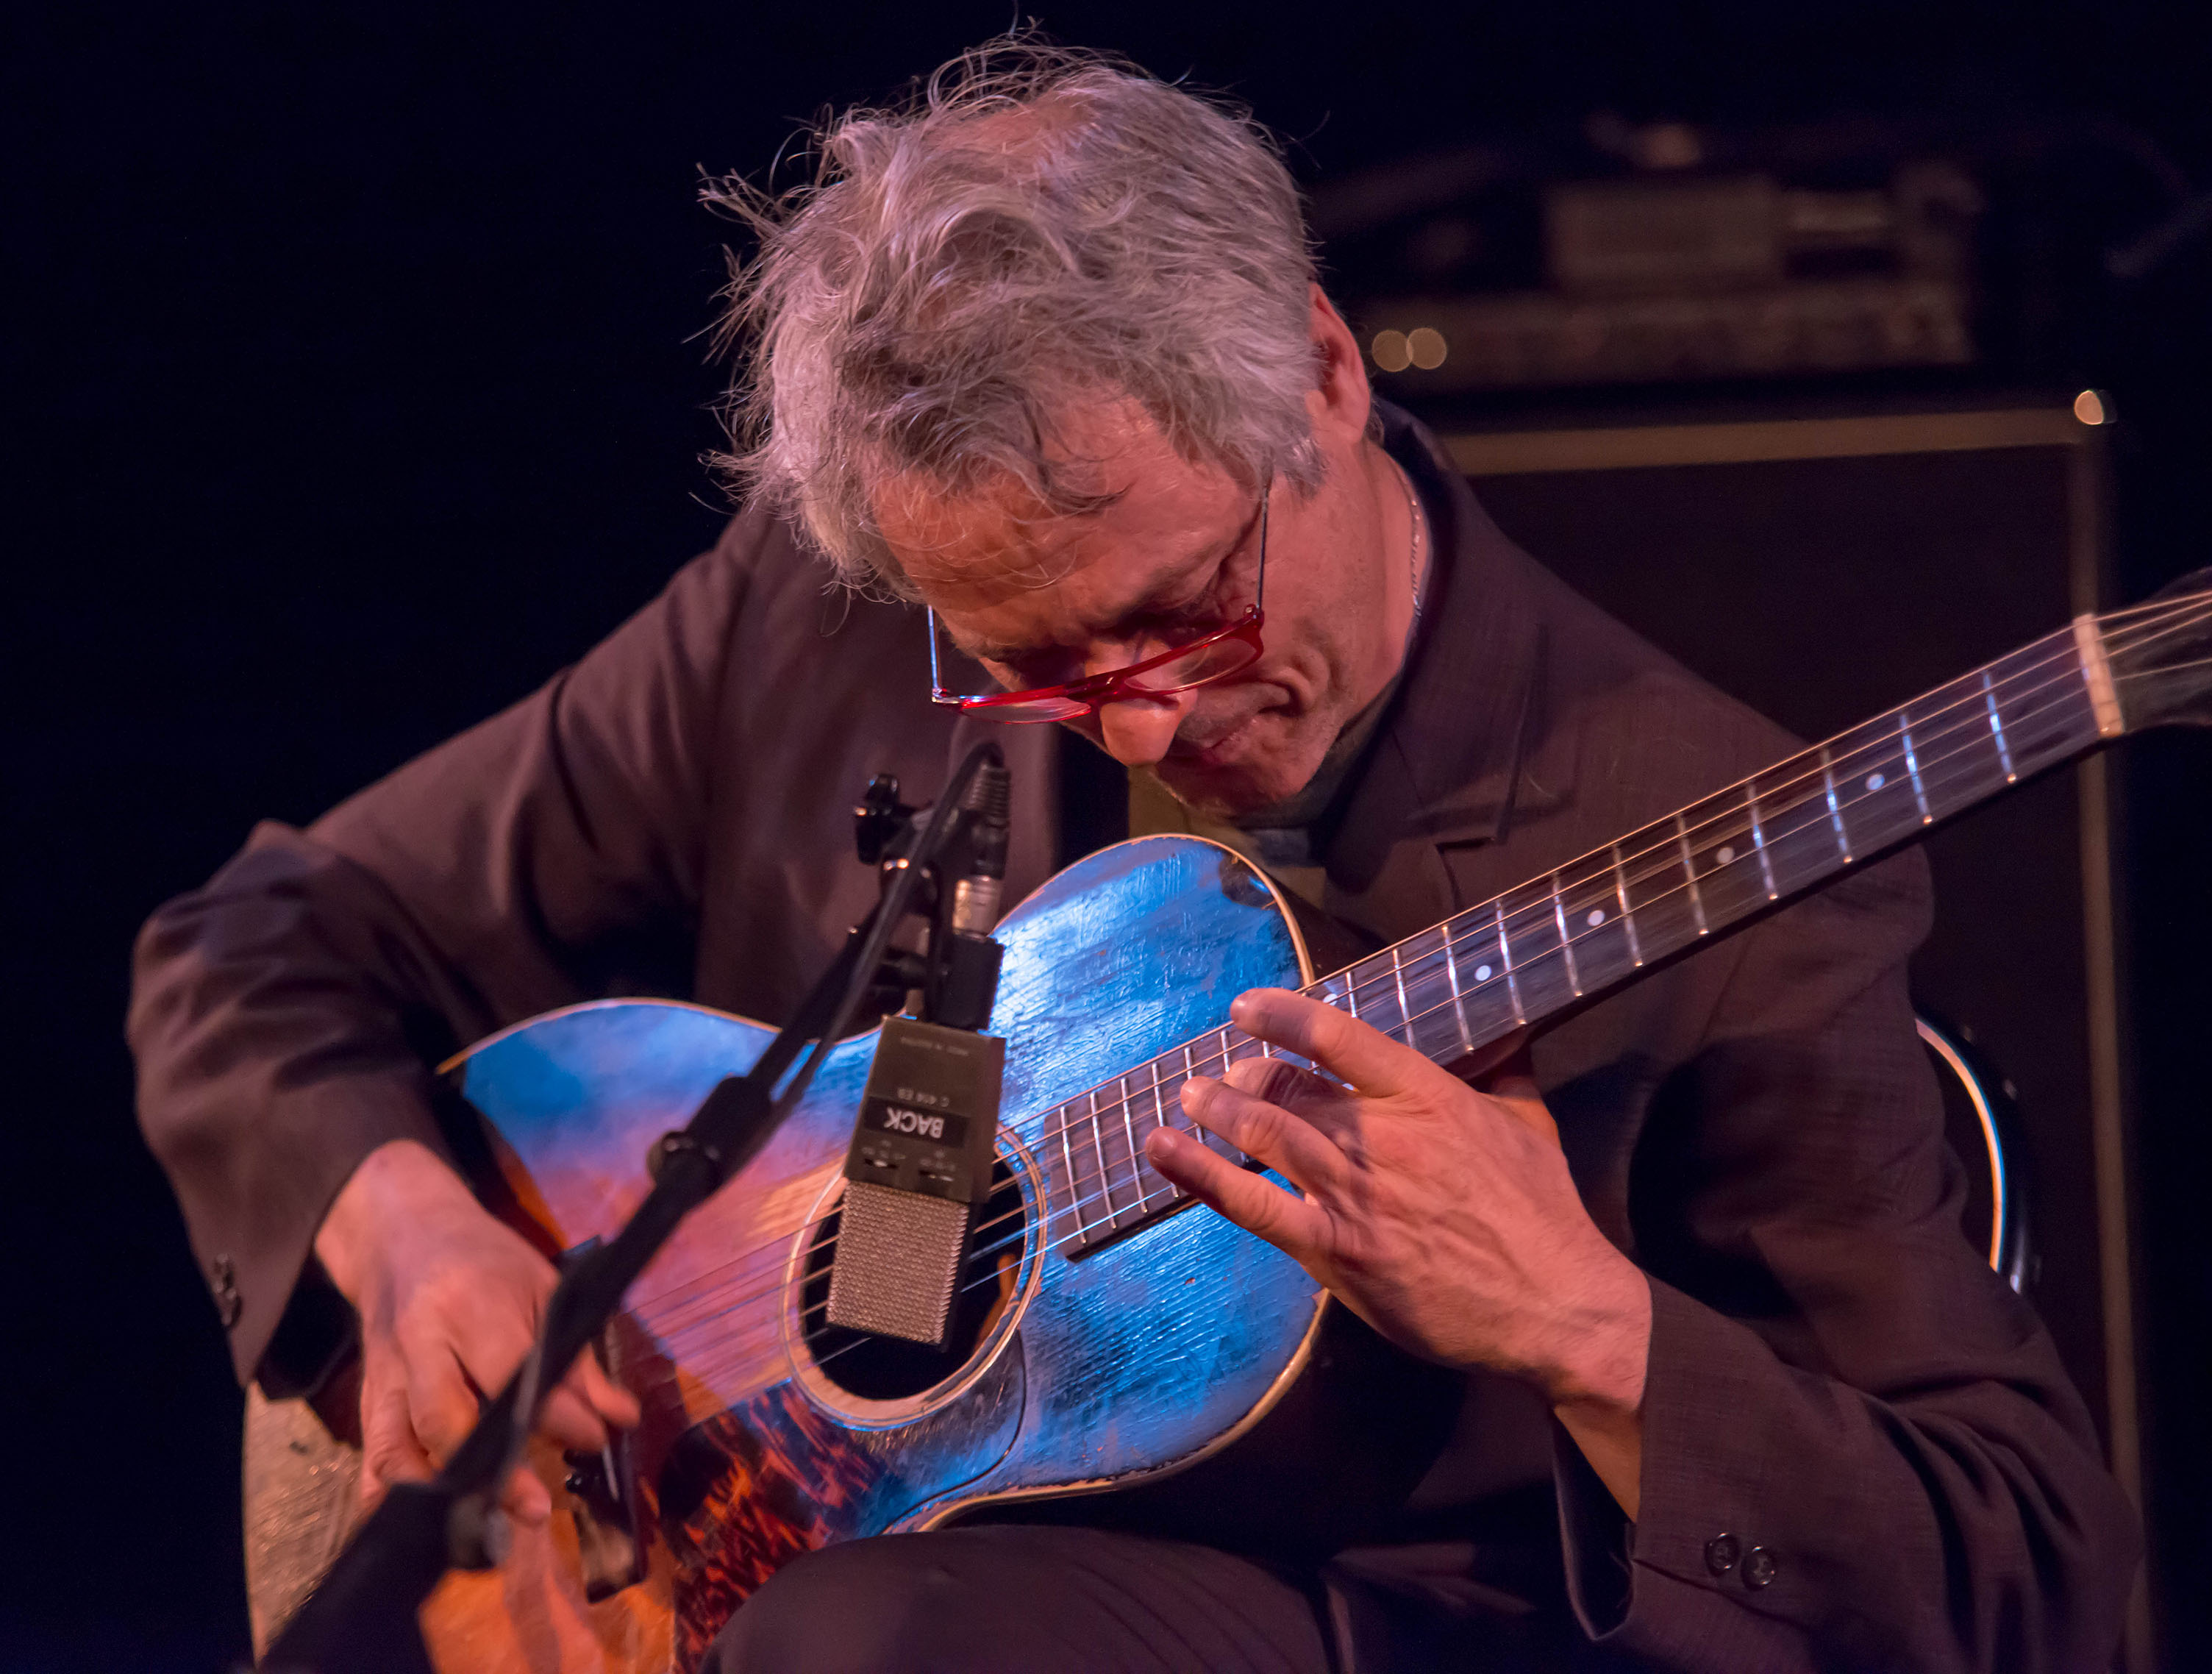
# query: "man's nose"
1137,731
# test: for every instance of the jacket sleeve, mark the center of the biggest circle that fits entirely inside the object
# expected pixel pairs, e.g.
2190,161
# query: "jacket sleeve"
1859,1451
285,1017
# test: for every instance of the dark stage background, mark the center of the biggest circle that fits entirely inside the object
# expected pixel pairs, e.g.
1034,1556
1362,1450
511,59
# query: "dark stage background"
359,383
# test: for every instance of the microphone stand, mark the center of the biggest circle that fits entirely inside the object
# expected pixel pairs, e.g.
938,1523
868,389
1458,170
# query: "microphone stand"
362,1618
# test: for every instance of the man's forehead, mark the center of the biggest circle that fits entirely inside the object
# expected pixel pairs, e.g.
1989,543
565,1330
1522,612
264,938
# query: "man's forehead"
999,557
1081,576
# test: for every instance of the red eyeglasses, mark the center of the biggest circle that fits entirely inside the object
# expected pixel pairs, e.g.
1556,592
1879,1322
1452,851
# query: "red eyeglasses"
1181,668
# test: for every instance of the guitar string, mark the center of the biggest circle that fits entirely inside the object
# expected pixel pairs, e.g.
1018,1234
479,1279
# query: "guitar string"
1541,908
1428,967
1021,1237
1109,1185
1417,971
1135,1183
1144,1207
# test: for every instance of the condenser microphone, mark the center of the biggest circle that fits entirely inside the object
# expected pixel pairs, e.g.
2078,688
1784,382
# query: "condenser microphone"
919,1164
922,1149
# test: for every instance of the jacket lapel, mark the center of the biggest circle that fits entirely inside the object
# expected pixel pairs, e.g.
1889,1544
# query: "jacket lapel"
1446,766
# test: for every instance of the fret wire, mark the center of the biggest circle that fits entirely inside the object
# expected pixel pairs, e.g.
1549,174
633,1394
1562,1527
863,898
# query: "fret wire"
1566,940
1190,1069
2040,669
1449,960
1498,914
2097,677
1062,1132
1398,970
1835,814
1937,760
1912,764
707,1295
1223,1032
1758,842
1996,728
1506,959
1129,1129
1627,918
1690,884
1459,1003
1690,873
1105,1174
1067,1155
1498,917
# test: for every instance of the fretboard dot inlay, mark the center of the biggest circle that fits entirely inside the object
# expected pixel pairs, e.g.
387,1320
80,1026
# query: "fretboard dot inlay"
1698,871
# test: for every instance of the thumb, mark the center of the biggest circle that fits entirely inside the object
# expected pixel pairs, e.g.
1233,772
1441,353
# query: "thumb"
390,1451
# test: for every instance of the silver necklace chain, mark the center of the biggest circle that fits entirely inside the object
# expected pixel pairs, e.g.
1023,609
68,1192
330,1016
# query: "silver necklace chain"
1418,526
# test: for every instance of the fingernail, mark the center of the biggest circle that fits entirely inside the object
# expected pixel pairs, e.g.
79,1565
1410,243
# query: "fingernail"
1164,1141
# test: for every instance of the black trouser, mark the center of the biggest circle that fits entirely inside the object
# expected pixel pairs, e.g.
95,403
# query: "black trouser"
1016,1598
1019,1600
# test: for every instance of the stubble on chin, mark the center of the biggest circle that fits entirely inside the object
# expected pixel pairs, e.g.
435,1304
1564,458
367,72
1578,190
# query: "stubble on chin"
1269,774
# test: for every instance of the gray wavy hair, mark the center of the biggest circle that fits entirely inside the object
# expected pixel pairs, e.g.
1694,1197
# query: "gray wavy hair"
1038,226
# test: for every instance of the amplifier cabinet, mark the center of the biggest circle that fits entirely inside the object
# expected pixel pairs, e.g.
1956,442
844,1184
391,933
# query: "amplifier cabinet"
1823,569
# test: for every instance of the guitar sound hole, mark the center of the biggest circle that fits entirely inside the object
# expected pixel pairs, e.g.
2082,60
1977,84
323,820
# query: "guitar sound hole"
882,1368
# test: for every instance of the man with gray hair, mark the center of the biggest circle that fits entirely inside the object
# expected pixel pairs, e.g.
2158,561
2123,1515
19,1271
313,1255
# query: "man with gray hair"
1045,353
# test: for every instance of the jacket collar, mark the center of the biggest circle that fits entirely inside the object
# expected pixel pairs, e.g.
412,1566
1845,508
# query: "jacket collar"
1445,764
1463,717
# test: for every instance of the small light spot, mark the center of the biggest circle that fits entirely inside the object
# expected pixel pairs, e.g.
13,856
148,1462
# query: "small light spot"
2089,407
1875,782
1482,973
1391,351
1667,145
1596,917
1725,853
1427,348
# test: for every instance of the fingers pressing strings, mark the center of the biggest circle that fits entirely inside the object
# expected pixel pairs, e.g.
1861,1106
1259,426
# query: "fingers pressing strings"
1948,734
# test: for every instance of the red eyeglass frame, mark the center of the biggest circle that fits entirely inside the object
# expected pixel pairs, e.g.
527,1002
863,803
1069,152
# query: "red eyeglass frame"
1086,695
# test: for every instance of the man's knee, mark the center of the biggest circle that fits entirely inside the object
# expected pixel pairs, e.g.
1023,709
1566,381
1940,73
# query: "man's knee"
1014,1599
871,1606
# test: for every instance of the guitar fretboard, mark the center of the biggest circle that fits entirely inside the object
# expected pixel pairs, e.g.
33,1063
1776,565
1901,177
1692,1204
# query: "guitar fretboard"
1544,948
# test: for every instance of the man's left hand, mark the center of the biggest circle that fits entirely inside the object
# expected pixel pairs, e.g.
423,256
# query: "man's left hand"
1445,1217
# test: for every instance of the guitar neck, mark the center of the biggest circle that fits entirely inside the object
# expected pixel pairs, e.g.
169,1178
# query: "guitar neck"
1546,947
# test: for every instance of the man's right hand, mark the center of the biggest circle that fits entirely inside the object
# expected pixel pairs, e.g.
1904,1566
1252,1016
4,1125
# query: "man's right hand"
449,1300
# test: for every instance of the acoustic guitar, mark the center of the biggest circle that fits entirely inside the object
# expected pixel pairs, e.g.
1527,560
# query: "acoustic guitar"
1109,1341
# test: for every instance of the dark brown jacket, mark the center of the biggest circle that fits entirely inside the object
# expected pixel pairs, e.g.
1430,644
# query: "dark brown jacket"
1836,1378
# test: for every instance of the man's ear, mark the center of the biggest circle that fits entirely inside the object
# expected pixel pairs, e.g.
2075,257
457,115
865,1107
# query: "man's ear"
1341,401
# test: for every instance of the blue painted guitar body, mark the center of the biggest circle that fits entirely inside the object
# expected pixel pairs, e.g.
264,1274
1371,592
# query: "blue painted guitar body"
1137,1359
